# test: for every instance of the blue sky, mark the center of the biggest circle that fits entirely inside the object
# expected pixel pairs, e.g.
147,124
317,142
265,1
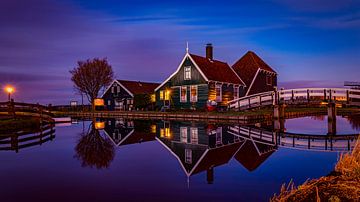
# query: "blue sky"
309,43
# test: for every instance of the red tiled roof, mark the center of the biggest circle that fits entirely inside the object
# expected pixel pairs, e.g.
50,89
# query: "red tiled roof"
139,87
247,66
216,70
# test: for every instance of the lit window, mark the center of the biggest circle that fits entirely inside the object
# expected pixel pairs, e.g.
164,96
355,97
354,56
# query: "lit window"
183,97
236,92
161,95
183,134
193,94
188,156
153,98
187,73
268,80
167,95
218,93
194,136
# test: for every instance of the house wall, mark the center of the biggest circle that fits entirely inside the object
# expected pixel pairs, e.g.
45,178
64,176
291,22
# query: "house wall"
119,94
260,85
173,85
227,93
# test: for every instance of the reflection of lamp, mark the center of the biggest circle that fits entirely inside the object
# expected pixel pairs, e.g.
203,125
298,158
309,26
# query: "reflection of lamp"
99,102
9,90
99,125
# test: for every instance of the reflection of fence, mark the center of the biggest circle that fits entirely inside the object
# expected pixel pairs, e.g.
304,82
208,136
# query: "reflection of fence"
298,96
17,141
299,141
14,109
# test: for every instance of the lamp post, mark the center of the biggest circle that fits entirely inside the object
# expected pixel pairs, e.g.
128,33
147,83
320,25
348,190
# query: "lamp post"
9,90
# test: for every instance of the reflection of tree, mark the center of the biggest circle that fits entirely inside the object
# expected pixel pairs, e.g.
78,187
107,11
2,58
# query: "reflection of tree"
93,150
354,121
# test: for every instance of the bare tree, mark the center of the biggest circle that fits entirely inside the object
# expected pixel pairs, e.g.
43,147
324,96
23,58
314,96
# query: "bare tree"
91,76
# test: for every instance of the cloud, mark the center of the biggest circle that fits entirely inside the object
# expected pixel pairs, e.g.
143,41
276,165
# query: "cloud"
318,5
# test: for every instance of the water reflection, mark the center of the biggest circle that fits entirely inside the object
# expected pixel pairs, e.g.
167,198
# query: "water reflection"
25,139
94,150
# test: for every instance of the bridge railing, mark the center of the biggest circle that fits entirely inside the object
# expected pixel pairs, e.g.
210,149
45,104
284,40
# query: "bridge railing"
25,109
296,96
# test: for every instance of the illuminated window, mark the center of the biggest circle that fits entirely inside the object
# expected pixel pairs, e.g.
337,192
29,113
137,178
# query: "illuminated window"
268,80
153,98
218,93
236,92
183,97
161,95
193,94
187,73
188,156
183,134
194,137
167,95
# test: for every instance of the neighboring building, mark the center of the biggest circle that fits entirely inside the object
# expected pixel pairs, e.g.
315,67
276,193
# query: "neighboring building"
257,75
129,95
198,80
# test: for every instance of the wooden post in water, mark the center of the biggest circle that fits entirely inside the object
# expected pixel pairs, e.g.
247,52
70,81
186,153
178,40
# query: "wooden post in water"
331,109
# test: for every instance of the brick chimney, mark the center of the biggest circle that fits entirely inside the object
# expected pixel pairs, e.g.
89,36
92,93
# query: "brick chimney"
209,51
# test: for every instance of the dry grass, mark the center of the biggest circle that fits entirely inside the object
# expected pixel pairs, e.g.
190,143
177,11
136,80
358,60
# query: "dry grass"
342,185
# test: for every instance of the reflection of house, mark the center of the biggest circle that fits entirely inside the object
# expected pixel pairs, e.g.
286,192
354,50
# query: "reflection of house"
252,154
198,147
128,95
123,132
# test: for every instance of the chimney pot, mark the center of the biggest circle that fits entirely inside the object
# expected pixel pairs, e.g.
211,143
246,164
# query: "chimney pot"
209,51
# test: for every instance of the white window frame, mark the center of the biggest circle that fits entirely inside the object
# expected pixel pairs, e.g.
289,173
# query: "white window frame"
236,89
181,97
219,135
113,89
109,102
194,98
187,73
188,156
183,134
194,135
218,98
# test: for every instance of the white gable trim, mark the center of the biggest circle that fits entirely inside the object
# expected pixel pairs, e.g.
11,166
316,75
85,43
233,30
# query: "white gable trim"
121,141
243,83
252,82
178,69
108,88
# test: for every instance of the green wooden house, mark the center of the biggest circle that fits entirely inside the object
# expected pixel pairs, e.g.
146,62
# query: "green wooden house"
197,81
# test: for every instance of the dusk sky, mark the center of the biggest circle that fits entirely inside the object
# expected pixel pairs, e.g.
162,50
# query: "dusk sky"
309,43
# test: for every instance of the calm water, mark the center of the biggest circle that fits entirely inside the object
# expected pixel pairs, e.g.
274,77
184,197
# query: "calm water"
159,160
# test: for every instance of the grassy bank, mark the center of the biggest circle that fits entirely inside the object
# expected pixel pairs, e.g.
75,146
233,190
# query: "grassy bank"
11,125
341,185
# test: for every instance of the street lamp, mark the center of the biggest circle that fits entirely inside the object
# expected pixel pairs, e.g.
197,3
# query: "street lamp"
9,90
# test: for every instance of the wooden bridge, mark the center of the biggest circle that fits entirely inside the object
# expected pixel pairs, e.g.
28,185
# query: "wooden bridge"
296,141
297,96
18,109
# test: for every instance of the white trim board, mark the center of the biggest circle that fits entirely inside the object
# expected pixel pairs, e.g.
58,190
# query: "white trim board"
132,95
252,82
178,69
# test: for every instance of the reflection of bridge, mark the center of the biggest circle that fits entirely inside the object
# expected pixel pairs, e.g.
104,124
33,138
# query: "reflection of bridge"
17,141
297,96
298,141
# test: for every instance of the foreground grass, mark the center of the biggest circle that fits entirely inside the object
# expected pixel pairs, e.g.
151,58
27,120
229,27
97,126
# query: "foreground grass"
11,125
341,185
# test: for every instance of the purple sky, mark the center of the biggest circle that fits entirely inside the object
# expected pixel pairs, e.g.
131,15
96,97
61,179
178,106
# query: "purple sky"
312,43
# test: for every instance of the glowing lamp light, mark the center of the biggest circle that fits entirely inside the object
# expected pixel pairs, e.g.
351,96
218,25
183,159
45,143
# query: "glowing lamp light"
9,89
99,125
99,102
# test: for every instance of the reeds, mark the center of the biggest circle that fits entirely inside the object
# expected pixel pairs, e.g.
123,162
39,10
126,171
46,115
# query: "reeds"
341,185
